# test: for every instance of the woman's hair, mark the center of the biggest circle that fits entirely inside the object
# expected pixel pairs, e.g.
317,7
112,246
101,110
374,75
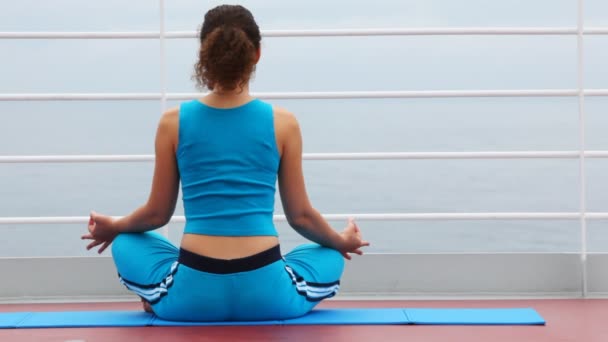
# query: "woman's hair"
230,39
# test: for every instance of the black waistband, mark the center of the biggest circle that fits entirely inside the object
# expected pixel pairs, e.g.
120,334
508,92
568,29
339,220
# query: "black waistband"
222,266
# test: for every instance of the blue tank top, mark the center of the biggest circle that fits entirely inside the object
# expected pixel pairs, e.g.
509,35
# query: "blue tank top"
228,162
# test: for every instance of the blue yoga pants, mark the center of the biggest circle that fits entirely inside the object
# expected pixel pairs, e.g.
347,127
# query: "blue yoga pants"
184,286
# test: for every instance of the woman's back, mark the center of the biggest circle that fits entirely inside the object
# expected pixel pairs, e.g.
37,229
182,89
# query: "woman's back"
228,162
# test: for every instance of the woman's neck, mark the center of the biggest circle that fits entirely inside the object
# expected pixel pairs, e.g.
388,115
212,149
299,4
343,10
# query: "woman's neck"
228,98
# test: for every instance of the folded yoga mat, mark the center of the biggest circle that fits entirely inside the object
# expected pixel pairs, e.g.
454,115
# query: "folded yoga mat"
389,316
81,319
517,316
12,319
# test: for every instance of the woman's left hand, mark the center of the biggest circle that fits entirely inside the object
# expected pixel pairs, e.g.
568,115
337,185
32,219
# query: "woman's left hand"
102,230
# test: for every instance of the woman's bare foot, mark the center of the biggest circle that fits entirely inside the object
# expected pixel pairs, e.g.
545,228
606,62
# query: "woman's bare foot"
147,306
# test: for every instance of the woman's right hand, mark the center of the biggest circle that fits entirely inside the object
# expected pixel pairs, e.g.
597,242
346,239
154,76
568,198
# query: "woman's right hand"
102,230
352,241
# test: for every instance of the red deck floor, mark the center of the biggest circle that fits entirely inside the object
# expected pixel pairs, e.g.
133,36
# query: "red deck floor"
567,320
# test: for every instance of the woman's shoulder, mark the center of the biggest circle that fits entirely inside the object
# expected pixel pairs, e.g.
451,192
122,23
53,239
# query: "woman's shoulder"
169,120
284,117
286,126
170,115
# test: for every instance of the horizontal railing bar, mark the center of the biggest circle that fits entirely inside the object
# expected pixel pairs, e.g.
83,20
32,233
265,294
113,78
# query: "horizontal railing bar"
595,154
455,155
325,156
400,94
80,35
79,96
307,95
77,158
442,155
411,32
595,92
315,33
360,216
595,30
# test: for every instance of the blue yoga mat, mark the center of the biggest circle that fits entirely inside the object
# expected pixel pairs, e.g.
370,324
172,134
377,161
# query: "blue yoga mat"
81,319
388,316
351,317
475,317
318,317
12,319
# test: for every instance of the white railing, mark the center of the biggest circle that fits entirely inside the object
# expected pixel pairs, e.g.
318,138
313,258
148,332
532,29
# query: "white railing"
580,92
580,71
117,158
358,216
428,31
312,95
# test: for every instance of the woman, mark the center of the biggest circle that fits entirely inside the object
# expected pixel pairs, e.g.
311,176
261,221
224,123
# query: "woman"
228,149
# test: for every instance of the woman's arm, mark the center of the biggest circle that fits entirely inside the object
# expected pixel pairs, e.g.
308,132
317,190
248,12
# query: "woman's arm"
300,214
159,208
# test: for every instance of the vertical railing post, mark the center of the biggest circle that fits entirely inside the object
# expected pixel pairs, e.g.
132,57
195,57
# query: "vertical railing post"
581,123
163,72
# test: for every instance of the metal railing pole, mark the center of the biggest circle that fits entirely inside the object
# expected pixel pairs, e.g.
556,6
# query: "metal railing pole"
163,73
581,123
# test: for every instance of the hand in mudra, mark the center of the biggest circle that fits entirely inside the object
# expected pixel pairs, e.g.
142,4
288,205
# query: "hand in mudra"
352,240
102,230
